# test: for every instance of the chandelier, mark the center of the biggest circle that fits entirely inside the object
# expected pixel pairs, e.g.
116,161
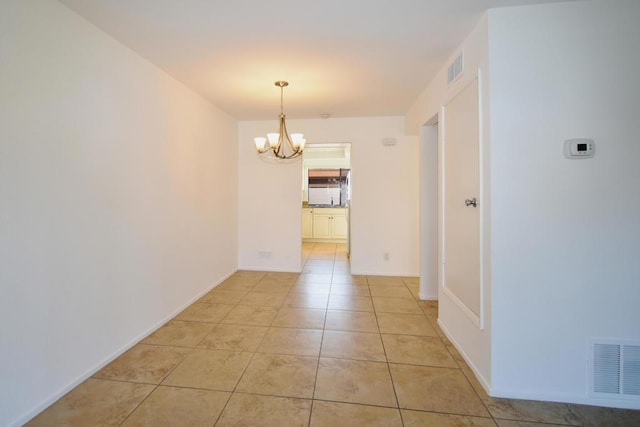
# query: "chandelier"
281,144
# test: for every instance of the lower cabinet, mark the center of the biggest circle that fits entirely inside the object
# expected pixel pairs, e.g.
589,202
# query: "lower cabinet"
339,226
322,226
326,224
307,223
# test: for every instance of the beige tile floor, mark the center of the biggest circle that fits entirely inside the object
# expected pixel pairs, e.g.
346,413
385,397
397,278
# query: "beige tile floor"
321,348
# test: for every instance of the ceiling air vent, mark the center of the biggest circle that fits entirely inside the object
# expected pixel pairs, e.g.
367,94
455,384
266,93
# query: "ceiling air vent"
616,370
455,69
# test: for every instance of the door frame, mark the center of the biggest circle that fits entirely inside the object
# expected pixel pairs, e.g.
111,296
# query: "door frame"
429,196
349,149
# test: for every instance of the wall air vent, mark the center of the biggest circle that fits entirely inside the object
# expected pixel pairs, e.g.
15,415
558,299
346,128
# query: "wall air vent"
616,370
455,69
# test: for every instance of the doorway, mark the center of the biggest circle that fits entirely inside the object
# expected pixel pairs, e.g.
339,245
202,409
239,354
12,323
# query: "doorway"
326,199
429,210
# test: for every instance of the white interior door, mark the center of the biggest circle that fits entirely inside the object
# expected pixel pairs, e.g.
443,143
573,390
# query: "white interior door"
461,249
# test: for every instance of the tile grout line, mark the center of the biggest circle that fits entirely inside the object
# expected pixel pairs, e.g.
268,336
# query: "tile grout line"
475,392
271,326
324,325
425,310
393,384
248,363
156,386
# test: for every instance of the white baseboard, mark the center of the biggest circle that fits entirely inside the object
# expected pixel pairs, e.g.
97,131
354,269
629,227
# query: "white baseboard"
89,372
386,274
579,399
427,297
271,270
481,379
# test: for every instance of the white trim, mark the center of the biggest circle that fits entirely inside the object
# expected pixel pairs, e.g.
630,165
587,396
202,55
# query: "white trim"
481,379
581,399
463,307
441,223
425,297
481,196
314,240
271,270
89,372
385,274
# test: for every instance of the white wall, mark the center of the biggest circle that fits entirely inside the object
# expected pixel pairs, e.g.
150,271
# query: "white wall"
473,343
269,204
566,233
270,197
562,236
117,207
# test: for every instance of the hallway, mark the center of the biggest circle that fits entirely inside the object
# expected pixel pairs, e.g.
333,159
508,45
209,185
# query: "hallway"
320,348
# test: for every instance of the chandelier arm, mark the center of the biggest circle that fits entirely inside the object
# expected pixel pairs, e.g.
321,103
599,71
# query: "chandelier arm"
284,136
288,138
279,150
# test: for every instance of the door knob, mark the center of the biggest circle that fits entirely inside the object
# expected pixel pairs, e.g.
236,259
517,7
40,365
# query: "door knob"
471,202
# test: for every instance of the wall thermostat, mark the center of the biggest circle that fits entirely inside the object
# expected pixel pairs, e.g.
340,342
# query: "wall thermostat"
579,148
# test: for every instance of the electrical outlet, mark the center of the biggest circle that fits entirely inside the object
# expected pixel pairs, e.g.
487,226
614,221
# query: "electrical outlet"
386,256
264,254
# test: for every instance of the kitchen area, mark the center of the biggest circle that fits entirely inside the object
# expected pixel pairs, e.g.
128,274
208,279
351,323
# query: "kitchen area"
326,193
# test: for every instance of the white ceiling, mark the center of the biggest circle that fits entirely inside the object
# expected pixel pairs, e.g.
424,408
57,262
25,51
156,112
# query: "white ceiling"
348,58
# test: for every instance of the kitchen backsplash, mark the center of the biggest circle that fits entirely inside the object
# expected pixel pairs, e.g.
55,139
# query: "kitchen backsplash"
324,196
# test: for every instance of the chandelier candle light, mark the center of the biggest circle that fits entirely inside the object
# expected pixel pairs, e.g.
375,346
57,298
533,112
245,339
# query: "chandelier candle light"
295,142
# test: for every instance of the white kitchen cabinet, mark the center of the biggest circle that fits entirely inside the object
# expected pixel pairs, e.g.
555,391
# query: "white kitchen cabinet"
322,224
340,229
327,224
307,223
